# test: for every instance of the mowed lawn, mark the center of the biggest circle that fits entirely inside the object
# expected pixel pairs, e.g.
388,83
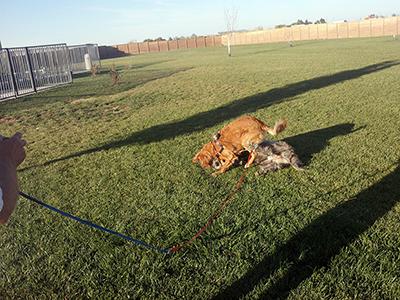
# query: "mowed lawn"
121,157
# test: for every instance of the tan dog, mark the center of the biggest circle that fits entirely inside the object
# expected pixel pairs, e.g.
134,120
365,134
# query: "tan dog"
239,135
207,157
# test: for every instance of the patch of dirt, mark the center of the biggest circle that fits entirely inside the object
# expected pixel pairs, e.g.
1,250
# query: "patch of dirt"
7,120
117,109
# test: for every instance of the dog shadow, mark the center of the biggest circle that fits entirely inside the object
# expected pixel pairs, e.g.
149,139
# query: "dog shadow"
308,144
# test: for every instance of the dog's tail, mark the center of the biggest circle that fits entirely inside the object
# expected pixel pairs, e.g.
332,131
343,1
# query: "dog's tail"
278,128
296,163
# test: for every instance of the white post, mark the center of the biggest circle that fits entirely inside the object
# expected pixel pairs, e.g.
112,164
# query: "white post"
88,62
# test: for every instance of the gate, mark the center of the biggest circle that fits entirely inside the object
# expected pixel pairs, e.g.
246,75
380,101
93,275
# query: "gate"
77,56
7,86
26,70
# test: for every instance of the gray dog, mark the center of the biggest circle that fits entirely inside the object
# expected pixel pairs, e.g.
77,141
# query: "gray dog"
272,156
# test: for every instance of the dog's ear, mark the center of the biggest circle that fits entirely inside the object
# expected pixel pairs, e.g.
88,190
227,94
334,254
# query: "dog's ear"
198,157
195,158
202,159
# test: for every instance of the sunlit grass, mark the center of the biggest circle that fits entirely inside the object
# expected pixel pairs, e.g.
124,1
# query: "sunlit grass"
120,155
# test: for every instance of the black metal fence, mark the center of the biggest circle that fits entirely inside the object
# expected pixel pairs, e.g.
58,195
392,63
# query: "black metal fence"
7,88
26,70
77,56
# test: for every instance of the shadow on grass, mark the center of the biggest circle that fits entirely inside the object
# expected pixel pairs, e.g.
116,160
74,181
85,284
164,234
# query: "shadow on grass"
107,52
90,89
120,68
309,143
143,65
89,74
319,242
234,109
80,95
306,145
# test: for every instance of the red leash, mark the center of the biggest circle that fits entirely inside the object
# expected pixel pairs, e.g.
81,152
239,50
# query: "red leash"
214,216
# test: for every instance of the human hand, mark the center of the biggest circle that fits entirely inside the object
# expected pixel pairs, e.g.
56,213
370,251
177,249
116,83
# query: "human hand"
12,149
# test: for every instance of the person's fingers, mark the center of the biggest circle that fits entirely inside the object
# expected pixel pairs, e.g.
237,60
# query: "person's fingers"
17,136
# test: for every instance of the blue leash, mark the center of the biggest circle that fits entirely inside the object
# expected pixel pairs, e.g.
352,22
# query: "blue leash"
90,224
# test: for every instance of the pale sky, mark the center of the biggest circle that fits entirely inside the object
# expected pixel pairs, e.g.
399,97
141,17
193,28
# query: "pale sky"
108,22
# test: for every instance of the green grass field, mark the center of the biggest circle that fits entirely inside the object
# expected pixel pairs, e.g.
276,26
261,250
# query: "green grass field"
121,157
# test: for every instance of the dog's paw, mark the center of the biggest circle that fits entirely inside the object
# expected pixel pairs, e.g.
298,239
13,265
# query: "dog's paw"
215,174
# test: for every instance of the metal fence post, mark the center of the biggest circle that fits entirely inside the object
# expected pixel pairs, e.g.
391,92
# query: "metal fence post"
28,57
98,54
12,73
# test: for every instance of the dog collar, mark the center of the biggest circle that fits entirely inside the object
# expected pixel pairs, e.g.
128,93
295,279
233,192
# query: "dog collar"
218,152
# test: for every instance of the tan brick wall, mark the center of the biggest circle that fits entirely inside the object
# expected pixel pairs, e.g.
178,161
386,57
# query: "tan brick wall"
390,26
161,46
354,29
365,28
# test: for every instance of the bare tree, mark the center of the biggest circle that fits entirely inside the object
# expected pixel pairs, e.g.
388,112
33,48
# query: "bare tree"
230,21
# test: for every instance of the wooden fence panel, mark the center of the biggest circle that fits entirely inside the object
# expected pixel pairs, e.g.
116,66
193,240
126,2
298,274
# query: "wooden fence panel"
313,29
192,43
332,31
153,47
124,48
377,27
278,35
163,46
240,38
173,45
144,47
353,29
201,42
182,44
322,31
133,48
365,28
343,30
398,26
210,41
296,33
304,32
390,27
287,32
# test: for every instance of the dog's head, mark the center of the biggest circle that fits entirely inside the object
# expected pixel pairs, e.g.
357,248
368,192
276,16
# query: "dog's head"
207,157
